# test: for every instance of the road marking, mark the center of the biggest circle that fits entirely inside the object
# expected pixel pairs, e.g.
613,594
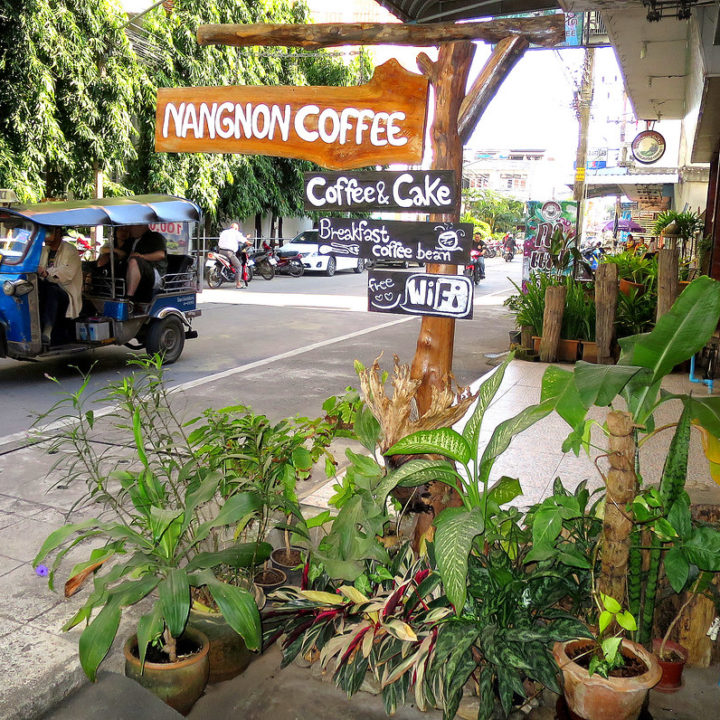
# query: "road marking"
25,437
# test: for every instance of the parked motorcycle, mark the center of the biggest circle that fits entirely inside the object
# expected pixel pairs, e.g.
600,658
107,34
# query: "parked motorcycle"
290,264
473,269
262,262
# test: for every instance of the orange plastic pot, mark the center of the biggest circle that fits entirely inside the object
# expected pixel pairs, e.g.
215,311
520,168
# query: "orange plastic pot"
672,670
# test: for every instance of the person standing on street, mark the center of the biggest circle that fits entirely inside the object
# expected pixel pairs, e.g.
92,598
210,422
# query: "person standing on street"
230,242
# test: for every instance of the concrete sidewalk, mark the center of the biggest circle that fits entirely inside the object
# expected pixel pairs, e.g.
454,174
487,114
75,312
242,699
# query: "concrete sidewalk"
40,665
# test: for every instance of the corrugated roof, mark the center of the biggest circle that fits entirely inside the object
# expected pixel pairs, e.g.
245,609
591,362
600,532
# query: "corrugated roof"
452,10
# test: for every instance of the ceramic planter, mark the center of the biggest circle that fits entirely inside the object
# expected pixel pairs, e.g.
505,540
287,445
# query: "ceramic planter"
178,684
597,698
289,566
671,679
269,579
589,351
515,337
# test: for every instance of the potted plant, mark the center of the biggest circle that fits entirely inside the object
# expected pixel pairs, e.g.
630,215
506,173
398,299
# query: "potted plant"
608,676
578,326
634,271
528,304
156,522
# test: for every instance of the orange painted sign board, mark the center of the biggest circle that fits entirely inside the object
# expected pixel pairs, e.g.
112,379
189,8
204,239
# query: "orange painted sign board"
339,128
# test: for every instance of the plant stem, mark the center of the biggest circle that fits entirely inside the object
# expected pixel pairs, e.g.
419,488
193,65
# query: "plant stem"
691,595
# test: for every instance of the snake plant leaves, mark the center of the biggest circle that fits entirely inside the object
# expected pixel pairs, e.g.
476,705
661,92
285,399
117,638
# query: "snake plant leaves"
97,638
174,594
456,530
443,441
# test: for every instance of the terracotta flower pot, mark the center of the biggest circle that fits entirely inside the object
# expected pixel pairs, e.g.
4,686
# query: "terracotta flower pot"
589,351
568,350
178,684
269,579
671,679
597,698
536,343
626,285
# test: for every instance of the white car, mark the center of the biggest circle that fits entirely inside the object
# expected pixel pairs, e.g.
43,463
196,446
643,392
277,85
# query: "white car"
308,246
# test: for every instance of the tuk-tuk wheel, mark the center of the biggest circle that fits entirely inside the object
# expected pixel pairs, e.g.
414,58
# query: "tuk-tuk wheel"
165,336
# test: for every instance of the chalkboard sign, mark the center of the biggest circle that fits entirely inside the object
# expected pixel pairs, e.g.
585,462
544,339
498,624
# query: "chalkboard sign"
396,240
403,191
420,294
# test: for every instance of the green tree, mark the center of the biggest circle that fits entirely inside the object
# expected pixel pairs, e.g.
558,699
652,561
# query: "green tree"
68,88
500,212
225,186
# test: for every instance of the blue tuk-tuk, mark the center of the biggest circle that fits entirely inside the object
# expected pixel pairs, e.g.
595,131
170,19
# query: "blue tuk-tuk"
107,317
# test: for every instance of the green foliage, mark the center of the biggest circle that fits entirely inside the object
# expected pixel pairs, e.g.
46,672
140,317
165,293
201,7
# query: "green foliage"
501,213
635,268
529,306
606,655
70,86
160,521
579,316
635,312
688,223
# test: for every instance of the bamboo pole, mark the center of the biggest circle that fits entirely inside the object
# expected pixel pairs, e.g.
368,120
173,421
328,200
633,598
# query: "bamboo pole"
552,322
668,262
621,484
546,31
606,292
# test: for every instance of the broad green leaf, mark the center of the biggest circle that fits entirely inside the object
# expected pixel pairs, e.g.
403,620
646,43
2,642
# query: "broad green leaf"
419,472
367,428
682,331
366,465
679,516
239,610
239,555
456,530
443,441
301,458
235,509
626,621
677,568
97,638
703,548
505,490
546,527
486,394
601,384
610,647
610,603
559,385
606,617
149,627
59,536
174,594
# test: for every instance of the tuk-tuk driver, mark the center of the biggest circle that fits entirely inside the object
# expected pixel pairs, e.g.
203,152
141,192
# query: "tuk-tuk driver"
60,286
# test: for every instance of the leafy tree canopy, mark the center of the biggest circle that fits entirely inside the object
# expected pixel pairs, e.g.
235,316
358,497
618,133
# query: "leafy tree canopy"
75,94
500,212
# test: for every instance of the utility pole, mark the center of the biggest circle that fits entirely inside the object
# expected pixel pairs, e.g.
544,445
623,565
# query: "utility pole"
583,103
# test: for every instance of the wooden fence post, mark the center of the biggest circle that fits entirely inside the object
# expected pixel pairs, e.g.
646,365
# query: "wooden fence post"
552,322
606,291
667,279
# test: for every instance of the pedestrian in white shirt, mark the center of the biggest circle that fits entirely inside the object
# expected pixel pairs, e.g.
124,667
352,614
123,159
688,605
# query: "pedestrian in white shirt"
230,242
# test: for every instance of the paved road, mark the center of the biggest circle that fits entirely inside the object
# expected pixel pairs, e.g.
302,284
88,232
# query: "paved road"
275,342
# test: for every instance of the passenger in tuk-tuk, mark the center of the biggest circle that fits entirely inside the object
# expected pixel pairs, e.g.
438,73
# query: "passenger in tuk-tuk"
60,282
125,237
146,266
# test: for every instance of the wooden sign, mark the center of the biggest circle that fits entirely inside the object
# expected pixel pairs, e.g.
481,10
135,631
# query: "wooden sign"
406,293
403,191
337,127
396,240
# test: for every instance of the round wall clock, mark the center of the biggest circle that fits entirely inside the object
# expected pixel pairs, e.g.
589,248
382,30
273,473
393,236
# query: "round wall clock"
648,147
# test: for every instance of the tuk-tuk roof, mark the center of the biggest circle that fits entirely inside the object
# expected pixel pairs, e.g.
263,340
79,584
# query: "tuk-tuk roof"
130,210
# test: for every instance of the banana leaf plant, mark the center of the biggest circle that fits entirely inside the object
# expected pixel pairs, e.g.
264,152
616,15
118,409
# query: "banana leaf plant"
457,528
153,549
634,386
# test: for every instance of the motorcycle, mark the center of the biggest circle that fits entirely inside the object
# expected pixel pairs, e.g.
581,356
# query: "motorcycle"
508,255
286,264
490,251
262,262
473,269
218,269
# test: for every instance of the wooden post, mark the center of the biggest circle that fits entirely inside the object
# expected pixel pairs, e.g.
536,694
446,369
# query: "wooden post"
667,280
606,292
621,489
552,322
448,75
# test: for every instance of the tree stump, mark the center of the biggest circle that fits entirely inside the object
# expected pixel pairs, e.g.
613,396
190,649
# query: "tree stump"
606,292
552,322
